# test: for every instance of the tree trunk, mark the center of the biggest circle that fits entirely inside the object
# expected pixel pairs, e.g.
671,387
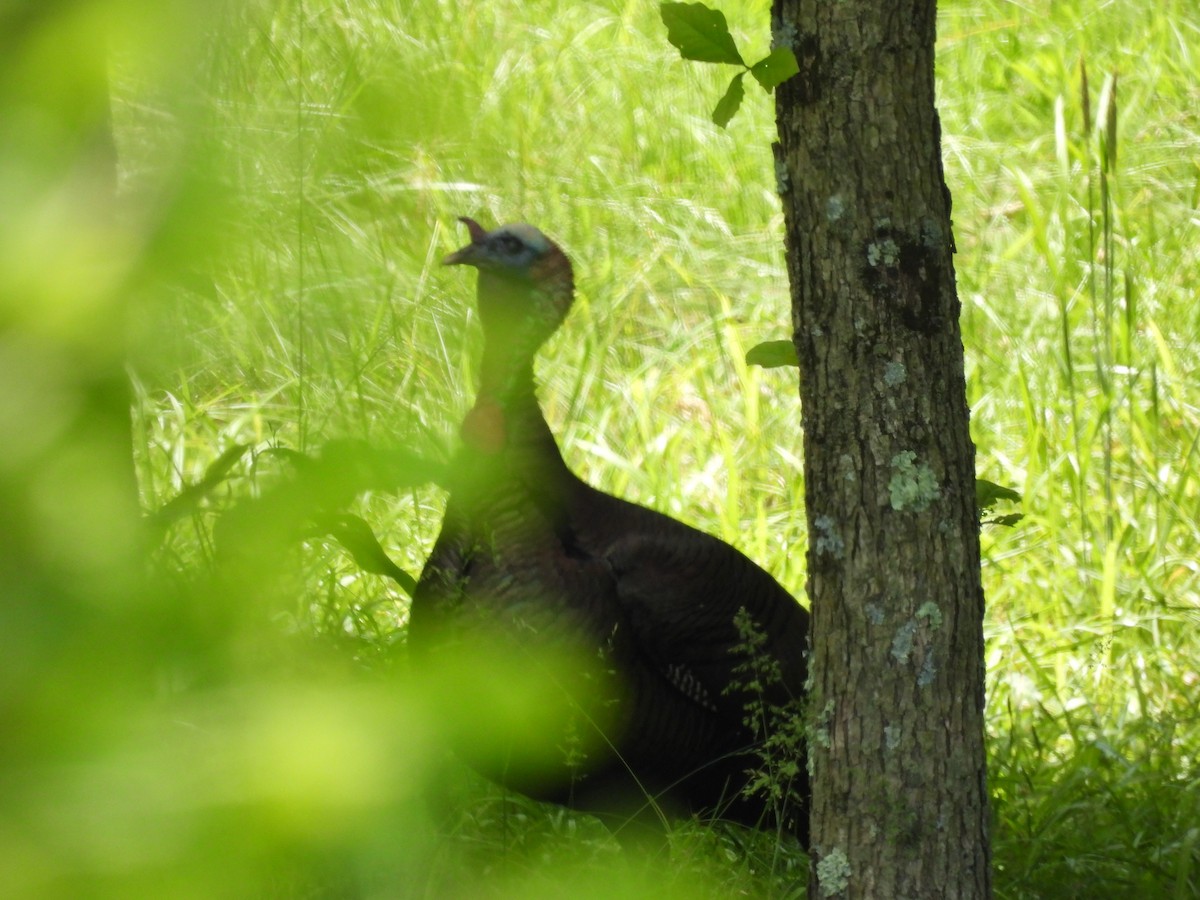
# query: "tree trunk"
896,737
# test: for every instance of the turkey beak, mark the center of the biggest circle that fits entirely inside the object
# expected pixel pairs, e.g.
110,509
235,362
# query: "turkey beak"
467,256
463,257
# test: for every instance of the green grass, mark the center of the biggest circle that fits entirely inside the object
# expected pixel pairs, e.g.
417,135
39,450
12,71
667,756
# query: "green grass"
1076,271
308,168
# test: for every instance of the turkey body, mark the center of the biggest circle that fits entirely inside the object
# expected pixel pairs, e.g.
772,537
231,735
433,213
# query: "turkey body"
629,616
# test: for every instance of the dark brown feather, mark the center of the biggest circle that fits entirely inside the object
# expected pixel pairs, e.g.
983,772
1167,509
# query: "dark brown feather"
531,558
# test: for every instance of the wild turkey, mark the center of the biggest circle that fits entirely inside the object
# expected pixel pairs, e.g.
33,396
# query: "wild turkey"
530,559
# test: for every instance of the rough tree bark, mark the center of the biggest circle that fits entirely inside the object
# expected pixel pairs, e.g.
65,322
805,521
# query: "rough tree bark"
896,740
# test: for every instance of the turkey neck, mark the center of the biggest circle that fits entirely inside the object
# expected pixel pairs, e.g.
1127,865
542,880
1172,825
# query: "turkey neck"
508,371
511,474
517,318
507,443
506,421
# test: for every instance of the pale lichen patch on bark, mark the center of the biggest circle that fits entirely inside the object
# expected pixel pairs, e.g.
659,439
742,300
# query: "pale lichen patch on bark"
931,613
835,208
891,736
885,252
894,373
913,486
833,872
828,542
928,669
902,643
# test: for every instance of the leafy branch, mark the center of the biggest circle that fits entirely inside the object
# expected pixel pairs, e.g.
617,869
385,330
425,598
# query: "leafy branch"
702,34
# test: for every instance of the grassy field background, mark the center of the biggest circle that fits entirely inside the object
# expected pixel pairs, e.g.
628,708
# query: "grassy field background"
300,166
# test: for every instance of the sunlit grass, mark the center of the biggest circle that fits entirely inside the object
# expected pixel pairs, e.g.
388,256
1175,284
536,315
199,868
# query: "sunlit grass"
295,184
1080,354
1080,391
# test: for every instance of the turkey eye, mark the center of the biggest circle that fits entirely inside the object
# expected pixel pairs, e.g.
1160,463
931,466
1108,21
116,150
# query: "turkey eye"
509,244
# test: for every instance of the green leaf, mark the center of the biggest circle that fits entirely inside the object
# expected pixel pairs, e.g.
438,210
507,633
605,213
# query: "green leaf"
189,498
700,33
1009,521
772,355
988,494
729,104
775,69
